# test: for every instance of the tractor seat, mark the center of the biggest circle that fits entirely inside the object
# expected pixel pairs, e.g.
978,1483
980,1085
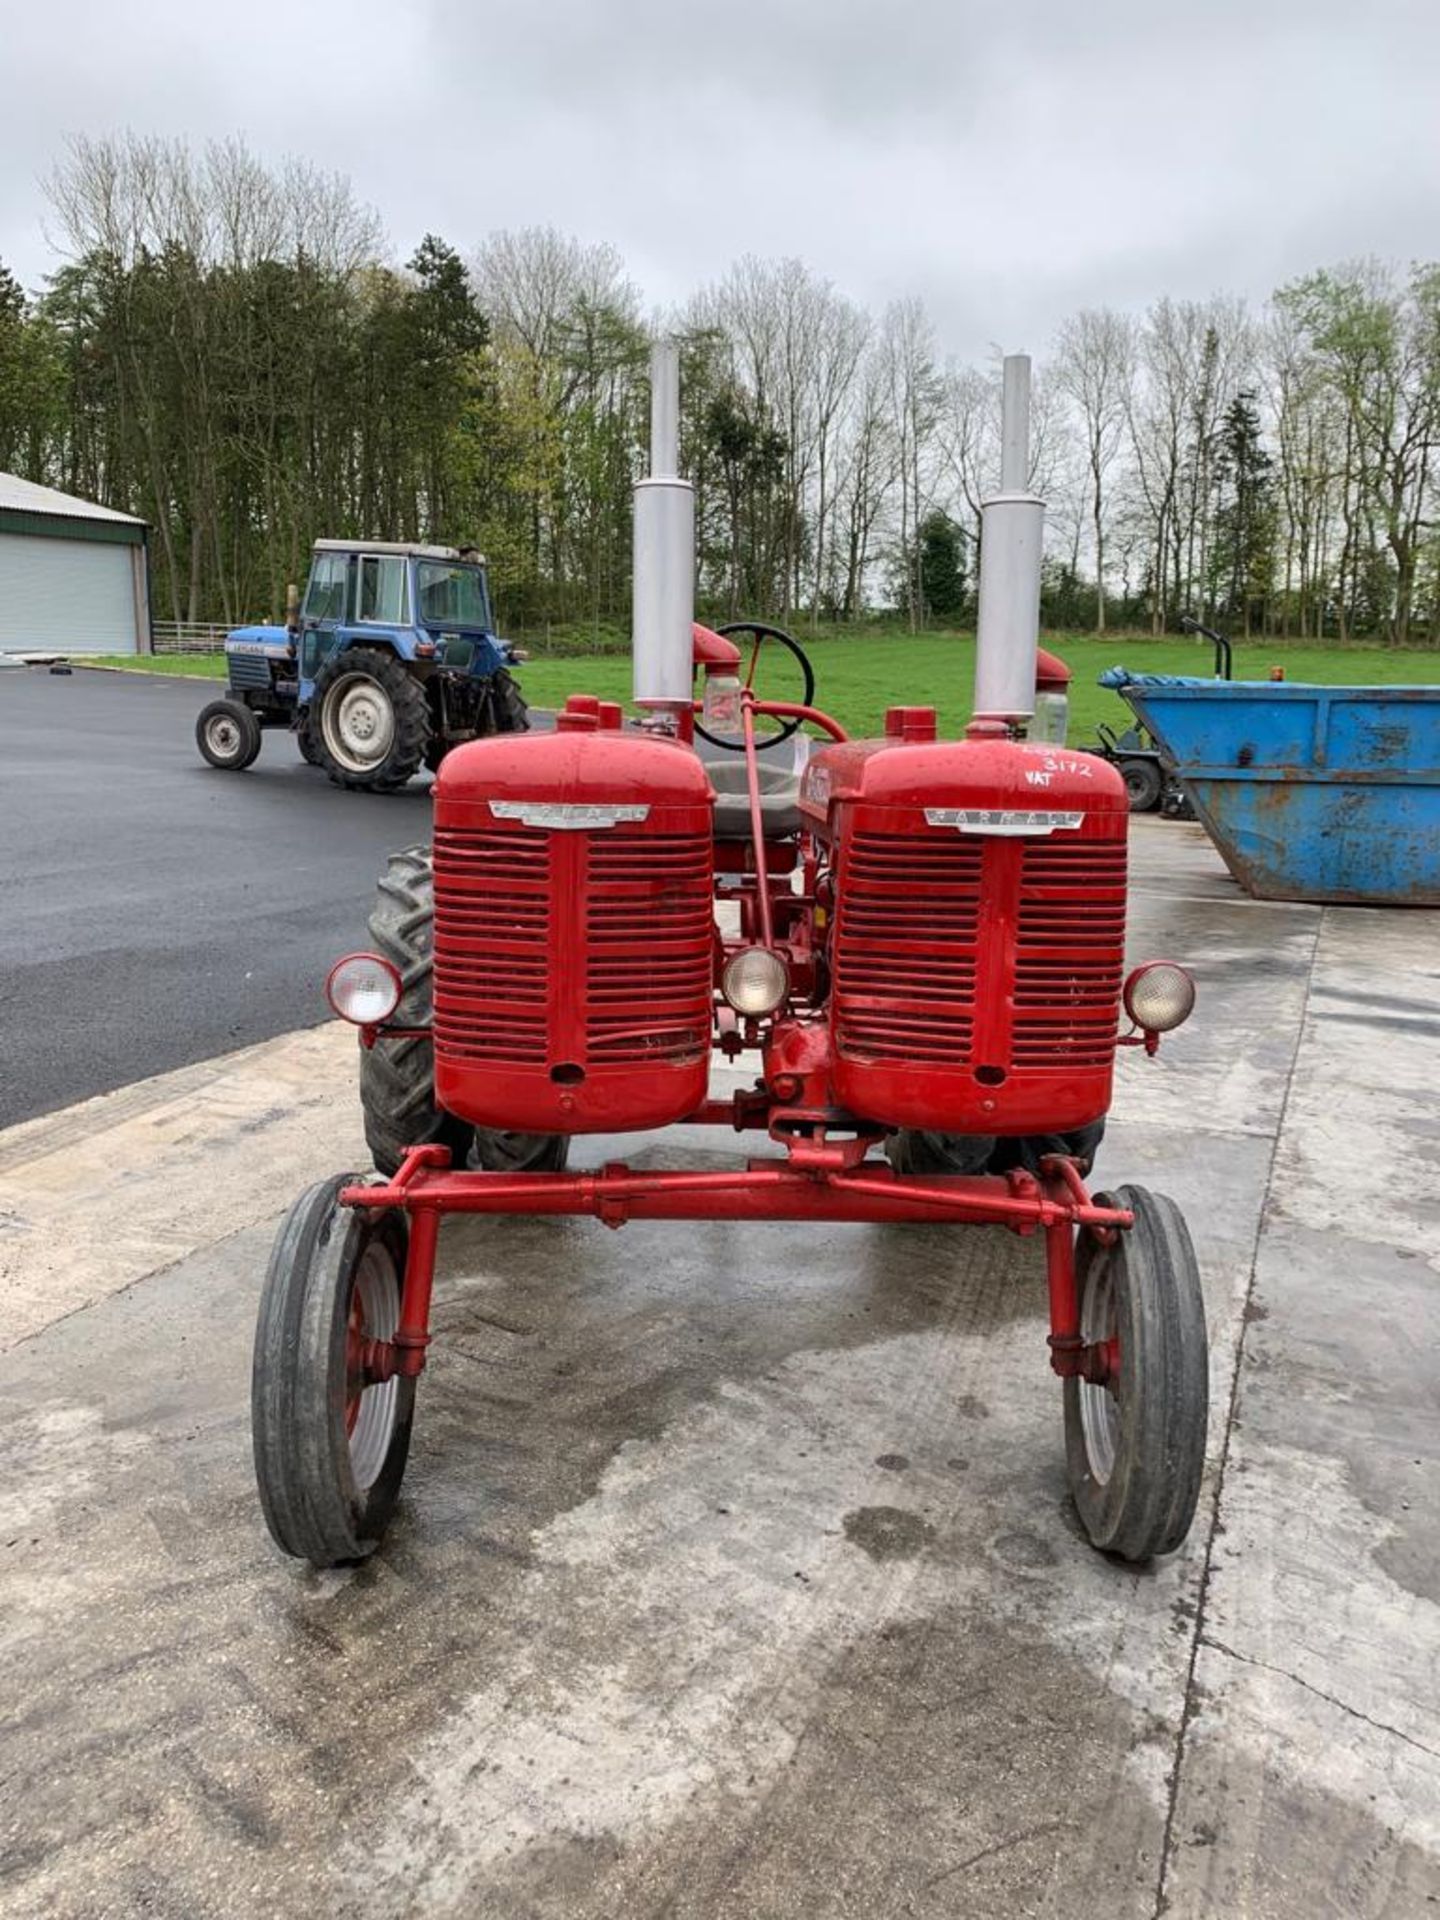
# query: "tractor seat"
779,799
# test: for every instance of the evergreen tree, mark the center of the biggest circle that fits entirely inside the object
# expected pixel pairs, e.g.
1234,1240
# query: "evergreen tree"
943,581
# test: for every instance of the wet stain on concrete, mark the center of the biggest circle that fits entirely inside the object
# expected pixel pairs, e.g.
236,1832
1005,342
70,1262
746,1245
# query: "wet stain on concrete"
1022,1551
941,1773
888,1533
892,1462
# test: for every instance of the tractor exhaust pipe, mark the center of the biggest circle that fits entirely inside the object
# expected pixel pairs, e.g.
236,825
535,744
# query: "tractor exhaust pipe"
1012,532
664,553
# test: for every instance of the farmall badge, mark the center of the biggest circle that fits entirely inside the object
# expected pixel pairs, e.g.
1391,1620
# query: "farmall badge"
1001,820
568,816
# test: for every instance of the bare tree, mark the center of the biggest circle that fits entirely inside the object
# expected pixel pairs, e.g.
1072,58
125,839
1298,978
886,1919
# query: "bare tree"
1095,370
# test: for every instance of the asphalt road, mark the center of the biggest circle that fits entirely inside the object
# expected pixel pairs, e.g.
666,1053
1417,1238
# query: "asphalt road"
157,912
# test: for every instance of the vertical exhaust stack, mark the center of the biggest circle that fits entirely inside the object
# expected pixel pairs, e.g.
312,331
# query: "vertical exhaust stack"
664,553
1011,541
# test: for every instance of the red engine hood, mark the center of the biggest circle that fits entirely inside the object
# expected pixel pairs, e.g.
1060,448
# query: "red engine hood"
999,775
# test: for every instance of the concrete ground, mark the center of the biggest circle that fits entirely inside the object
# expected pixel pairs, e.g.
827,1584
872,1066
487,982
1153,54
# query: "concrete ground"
736,1575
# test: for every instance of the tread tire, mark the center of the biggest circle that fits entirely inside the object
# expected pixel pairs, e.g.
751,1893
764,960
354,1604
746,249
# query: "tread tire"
1144,783
397,1077
308,1493
248,728
1146,1502
408,704
508,704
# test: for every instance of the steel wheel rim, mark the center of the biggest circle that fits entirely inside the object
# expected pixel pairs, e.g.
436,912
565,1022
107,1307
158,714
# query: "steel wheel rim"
222,736
1100,1406
358,723
371,1411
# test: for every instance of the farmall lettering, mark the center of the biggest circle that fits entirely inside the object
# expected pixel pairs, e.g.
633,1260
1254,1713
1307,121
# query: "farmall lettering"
921,955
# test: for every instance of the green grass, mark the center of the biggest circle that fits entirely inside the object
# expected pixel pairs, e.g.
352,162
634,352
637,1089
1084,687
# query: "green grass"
857,677
856,680
192,666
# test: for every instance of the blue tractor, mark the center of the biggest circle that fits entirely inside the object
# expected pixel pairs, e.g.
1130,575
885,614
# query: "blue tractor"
389,660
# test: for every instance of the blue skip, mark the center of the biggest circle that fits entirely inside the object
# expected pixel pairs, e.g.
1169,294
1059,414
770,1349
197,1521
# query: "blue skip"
1309,793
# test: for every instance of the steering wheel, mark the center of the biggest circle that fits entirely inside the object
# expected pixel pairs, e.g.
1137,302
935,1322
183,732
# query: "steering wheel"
763,635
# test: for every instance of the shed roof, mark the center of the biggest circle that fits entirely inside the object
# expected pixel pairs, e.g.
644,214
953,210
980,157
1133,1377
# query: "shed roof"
23,496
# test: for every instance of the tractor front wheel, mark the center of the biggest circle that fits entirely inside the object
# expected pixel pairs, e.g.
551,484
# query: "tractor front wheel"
330,1443
1135,1444
228,735
370,719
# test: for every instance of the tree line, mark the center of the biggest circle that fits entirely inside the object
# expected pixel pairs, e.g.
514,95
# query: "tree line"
228,351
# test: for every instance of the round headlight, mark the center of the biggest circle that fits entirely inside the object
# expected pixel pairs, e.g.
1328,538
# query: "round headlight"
363,988
755,981
1159,996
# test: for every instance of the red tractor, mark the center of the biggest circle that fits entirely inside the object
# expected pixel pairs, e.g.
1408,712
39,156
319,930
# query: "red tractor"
927,965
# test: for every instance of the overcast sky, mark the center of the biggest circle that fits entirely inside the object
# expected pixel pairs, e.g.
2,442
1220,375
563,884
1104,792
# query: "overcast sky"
1008,161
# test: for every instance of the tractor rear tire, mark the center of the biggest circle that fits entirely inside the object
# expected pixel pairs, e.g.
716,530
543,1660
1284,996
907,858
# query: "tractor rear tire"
330,1452
1135,1449
1144,783
917,1150
397,1077
498,1152
228,735
371,720
307,743
512,715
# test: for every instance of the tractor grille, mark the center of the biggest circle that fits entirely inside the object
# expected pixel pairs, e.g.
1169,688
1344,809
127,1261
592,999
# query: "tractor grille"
906,948
492,925
1069,953
249,672
630,913
912,954
649,945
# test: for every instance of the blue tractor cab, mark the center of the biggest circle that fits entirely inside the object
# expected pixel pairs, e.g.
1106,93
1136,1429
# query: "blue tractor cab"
389,659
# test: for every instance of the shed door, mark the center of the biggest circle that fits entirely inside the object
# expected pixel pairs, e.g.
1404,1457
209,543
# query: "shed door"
65,596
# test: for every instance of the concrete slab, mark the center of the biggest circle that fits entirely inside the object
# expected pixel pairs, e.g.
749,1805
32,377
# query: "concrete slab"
736,1574
1310,1768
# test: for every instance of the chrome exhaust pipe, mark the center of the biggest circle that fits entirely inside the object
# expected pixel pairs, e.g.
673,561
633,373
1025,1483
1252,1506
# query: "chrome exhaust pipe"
1012,536
663,587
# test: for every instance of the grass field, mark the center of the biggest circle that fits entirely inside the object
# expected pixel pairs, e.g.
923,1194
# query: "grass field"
857,678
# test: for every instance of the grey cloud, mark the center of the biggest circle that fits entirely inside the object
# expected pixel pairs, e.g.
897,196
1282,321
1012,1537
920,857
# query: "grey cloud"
1007,162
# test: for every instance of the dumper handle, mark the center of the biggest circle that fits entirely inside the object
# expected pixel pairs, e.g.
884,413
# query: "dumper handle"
1224,666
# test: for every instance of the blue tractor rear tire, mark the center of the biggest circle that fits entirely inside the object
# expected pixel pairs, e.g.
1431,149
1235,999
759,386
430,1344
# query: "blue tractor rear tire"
370,719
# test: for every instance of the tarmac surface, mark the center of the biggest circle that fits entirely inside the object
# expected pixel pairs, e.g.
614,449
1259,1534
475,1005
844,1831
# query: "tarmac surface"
156,911
735,1575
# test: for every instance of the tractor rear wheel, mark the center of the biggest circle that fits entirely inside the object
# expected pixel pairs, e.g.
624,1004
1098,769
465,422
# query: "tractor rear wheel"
228,735
330,1447
1135,1447
919,1151
1144,783
498,1152
512,715
309,746
397,1077
371,719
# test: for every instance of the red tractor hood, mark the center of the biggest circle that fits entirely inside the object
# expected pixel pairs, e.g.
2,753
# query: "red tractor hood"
995,775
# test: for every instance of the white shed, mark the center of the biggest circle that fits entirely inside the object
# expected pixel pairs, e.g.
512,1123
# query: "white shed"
73,576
